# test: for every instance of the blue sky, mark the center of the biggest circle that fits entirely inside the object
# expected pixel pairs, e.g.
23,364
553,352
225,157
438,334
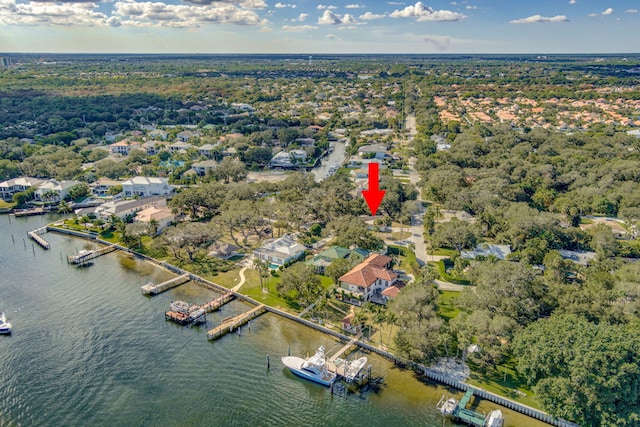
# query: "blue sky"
305,26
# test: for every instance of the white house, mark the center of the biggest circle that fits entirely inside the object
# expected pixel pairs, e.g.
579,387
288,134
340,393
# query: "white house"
288,159
186,135
367,280
484,249
10,187
146,186
54,191
280,251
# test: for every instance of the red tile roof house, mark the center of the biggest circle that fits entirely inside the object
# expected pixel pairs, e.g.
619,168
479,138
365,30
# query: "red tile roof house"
366,281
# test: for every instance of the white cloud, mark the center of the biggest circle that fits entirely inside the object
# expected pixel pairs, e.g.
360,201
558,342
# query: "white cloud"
593,15
246,4
572,1
324,6
298,28
283,5
64,14
265,30
302,16
355,6
395,3
631,11
425,13
368,16
332,37
468,7
539,18
332,18
172,15
608,11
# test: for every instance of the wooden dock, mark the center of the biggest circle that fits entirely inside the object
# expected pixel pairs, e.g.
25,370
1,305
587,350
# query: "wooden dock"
152,289
344,349
29,212
217,303
235,322
85,256
35,236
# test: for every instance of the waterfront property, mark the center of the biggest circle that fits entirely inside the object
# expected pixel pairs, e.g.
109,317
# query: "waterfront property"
143,186
280,251
366,281
124,208
12,186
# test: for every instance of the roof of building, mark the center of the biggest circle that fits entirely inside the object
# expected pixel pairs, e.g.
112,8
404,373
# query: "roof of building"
23,181
484,249
335,252
285,247
146,215
392,291
145,180
366,273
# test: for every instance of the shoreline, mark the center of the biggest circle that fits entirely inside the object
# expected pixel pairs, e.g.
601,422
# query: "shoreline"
426,371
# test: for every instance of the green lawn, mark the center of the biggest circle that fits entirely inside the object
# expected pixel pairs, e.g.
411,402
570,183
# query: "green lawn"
229,278
446,304
5,205
493,380
396,235
443,252
442,270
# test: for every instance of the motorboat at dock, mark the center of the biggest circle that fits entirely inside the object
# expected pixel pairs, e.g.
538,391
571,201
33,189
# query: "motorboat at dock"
312,369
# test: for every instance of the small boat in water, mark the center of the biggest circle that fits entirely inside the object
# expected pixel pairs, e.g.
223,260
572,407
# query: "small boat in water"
447,406
5,327
312,369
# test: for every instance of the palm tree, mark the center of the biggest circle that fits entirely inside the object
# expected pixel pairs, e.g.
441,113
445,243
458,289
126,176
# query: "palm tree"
64,207
392,320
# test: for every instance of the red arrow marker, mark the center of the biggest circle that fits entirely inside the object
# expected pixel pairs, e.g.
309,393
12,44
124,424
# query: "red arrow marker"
373,196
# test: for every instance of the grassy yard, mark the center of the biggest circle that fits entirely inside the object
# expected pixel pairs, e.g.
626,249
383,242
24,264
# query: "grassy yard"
442,270
505,381
6,205
443,252
396,235
447,304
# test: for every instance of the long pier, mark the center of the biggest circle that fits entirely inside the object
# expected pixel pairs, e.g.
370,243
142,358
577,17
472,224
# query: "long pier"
151,289
344,349
235,322
84,256
35,236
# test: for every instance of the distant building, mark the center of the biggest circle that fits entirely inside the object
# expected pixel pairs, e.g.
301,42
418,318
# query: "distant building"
102,186
201,168
153,147
123,147
280,251
579,257
10,187
289,159
207,150
179,146
143,186
186,135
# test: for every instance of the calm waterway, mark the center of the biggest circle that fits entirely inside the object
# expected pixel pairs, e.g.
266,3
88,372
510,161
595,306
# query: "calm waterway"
88,349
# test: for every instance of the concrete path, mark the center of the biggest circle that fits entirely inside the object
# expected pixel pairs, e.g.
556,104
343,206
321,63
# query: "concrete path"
447,286
242,279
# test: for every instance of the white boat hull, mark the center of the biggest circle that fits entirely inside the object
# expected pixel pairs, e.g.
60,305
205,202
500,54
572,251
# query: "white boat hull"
294,364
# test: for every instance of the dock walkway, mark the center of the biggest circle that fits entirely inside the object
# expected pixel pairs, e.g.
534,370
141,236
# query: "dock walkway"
235,322
217,303
35,236
152,289
344,349
84,256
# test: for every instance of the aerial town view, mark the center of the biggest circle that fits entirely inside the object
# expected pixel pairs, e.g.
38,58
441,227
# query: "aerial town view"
247,213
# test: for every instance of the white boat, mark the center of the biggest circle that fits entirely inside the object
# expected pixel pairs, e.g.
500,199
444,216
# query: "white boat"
353,369
313,369
495,419
180,307
447,406
5,327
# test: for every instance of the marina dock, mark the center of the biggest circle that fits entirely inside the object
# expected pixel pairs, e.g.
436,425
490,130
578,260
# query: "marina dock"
35,236
152,289
217,303
344,349
235,322
85,256
468,416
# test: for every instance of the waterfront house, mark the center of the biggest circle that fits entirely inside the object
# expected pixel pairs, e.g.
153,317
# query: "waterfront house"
143,186
161,215
53,191
280,251
223,250
16,185
124,208
366,281
324,259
